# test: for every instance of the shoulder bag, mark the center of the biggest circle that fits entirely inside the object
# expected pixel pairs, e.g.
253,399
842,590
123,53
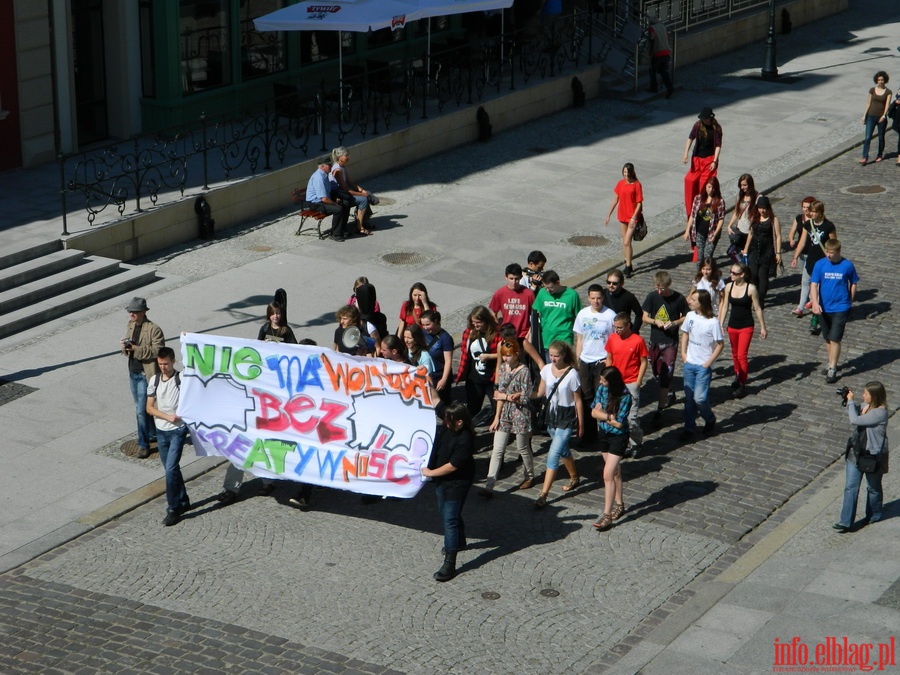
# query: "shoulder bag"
545,408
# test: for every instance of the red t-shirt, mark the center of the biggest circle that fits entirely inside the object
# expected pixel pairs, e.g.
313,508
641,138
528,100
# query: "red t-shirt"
410,319
630,195
514,307
626,355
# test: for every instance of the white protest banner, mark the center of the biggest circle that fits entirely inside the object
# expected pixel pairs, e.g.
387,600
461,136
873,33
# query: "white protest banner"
308,414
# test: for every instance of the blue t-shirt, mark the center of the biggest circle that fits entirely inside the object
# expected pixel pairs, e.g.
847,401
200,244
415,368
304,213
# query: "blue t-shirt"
834,281
437,345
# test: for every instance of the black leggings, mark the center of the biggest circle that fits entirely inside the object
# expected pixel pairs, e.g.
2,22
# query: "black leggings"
475,393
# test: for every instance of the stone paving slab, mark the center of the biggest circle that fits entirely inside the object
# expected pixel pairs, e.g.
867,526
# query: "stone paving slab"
271,568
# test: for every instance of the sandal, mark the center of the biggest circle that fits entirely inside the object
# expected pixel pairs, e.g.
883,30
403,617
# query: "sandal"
541,501
604,523
573,483
364,232
878,159
618,510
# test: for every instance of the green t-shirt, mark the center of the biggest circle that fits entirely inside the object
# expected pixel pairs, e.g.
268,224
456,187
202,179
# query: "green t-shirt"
557,315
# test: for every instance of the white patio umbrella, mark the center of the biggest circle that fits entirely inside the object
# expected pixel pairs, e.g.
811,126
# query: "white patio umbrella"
349,16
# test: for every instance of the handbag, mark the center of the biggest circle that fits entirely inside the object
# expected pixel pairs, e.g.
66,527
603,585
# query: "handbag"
640,228
545,407
867,463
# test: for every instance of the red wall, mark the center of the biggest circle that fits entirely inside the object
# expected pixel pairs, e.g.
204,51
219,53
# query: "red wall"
10,137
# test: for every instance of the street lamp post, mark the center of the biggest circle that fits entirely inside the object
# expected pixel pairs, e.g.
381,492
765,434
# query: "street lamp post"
769,69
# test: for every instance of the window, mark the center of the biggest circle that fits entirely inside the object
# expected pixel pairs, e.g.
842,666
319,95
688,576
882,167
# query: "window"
261,53
205,60
148,56
321,45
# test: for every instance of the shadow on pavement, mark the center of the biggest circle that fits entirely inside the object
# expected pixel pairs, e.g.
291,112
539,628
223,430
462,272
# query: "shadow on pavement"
670,496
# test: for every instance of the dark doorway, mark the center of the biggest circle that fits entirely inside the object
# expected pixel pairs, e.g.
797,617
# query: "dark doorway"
90,71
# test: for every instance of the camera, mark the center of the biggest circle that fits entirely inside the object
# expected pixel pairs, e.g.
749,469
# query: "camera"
842,392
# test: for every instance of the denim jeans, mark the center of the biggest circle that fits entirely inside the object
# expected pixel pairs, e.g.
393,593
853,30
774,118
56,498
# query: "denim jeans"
874,496
696,391
145,427
804,283
872,123
170,445
559,446
636,434
451,513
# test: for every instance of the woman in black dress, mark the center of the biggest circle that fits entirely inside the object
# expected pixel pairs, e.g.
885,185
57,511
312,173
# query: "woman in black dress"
763,247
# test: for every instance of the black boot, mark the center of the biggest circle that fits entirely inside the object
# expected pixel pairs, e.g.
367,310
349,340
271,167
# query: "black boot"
448,569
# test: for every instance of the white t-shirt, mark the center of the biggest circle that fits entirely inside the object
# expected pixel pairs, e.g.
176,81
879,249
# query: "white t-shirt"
565,392
714,292
594,329
703,334
166,394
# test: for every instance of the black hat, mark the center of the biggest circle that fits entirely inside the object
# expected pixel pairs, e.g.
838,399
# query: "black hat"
763,201
137,305
706,113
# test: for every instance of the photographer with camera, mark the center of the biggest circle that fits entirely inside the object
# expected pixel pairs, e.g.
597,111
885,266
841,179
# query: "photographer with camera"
866,454
141,345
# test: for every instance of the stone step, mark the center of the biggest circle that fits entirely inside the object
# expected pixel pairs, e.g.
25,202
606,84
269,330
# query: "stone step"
20,252
92,269
34,314
38,268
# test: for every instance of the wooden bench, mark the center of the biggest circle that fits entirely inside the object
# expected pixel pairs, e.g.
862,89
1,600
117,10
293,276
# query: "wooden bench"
299,197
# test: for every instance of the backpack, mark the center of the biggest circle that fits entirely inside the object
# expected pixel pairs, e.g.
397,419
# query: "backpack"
158,377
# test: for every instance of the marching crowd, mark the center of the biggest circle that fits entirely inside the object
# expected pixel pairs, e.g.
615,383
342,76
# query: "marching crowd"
541,360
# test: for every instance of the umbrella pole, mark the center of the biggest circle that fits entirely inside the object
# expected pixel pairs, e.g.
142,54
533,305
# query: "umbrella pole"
428,59
341,73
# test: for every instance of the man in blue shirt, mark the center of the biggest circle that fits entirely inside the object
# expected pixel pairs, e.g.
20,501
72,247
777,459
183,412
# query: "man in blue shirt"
318,196
832,289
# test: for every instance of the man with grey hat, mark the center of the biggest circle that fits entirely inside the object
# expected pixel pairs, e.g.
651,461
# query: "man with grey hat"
141,345
318,197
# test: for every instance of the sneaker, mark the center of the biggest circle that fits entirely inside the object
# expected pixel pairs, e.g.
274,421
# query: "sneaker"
184,507
634,451
299,501
831,377
797,312
843,529
172,518
740,392
709,427
227,497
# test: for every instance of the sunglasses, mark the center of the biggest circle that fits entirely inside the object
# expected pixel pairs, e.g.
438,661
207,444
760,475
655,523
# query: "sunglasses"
734,274
613,283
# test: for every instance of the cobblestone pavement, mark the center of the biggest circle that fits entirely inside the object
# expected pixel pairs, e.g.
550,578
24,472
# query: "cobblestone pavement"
346,587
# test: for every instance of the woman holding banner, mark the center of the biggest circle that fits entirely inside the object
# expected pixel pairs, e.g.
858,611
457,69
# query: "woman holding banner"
452,466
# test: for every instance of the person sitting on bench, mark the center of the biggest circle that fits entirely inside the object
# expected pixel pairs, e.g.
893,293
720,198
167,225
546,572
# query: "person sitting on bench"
318,198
